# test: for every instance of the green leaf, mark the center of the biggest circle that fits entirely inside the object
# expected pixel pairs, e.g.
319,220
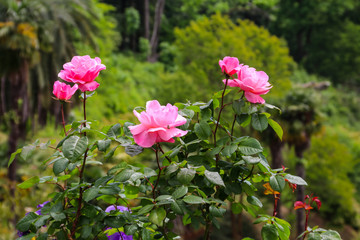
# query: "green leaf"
102,181
131,191
114,131
27,151
29,183
177,208
214,177
259,122
124,141
110,153
124,175
91,193
133,150
314,236
269,232
295,179
60,165
74,147
262,219
254,201
272,107
42,236
217,212
219,93
243,119
330,235
157,216
229,149
202,130
145,234
238,105
250,146
41,221
205,114
191,199
251,160
115,221
13,155
277,183
103,145
148,172
171,169
180,192
145,209
276,127
24,224
85,232
186,175
130,229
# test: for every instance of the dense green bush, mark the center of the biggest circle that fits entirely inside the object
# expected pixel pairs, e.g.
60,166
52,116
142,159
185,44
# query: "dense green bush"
329,162
214,37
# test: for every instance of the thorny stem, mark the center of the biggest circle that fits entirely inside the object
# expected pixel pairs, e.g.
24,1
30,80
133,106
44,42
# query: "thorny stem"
276,199
63,118
208,224
158,164
232,126
249,174
218,120
221,108
164,153
306,222
78,212
152,186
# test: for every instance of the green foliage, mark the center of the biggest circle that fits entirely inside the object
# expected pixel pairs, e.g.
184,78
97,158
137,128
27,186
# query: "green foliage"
214,37
321,35
330,181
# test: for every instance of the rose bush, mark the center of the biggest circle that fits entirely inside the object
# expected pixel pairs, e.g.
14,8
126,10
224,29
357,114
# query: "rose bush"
203,170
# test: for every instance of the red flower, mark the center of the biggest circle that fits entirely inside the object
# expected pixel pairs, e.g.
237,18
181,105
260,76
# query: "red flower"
300,204
307,206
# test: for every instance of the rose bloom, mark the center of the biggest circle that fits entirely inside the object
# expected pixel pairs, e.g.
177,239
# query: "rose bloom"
253,83
118,235
63,91
229,65
82,70
157,124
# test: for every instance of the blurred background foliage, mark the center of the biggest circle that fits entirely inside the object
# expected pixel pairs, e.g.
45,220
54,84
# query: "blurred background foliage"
169,50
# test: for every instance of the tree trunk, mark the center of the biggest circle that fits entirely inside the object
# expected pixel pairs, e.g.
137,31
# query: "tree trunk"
159,9
276,147
19,104
147,19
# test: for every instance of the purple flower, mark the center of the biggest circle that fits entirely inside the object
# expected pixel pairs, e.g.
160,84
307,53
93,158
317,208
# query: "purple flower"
112,208
20,234
40,206
118,235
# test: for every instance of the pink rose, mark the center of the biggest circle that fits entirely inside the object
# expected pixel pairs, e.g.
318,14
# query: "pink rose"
229,65
158,124
63,91
253,83
82,70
